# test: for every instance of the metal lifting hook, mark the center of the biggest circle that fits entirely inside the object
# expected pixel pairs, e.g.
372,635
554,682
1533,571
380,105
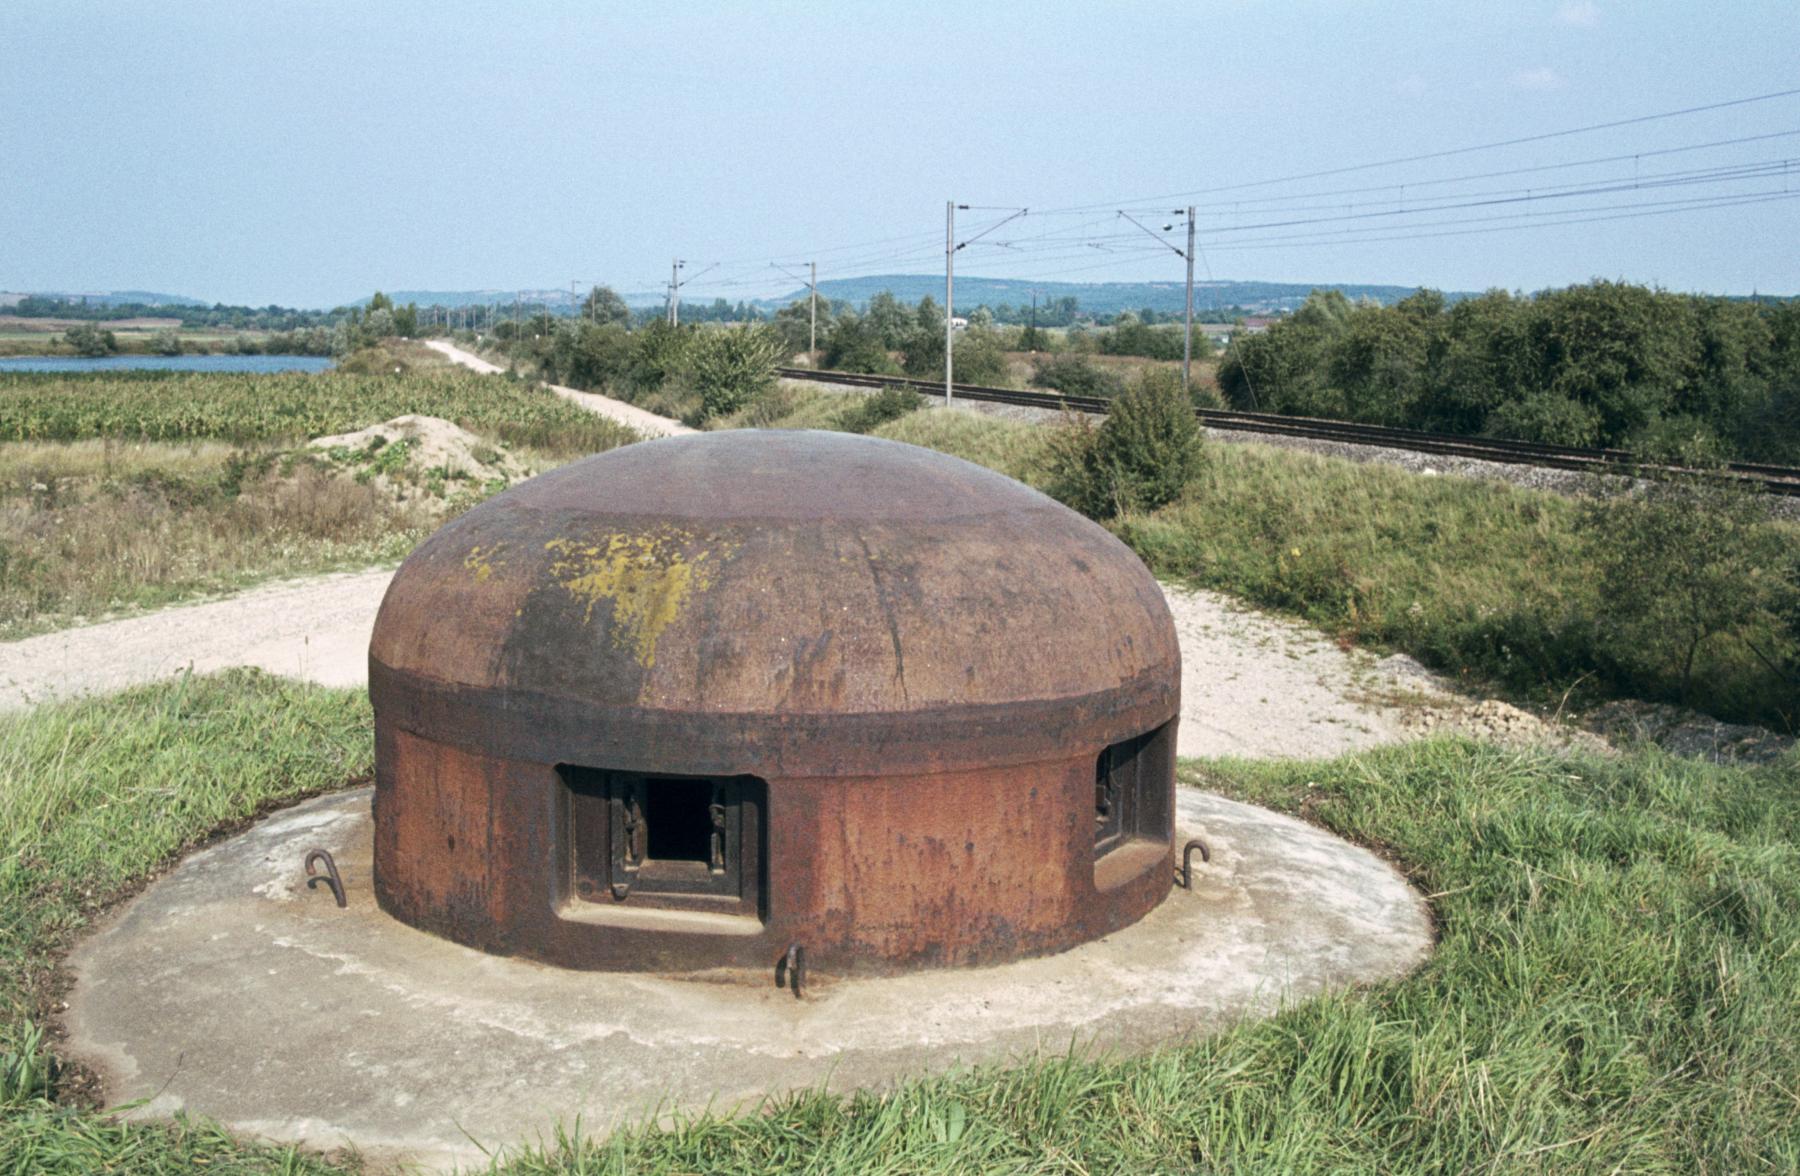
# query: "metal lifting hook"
790,971
1185,879
330,877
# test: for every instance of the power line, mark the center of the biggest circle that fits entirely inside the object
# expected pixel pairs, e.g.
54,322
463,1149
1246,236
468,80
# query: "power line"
1429,155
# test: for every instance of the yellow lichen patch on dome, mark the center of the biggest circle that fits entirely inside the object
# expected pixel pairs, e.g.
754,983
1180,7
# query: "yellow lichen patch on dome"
648,578
481,562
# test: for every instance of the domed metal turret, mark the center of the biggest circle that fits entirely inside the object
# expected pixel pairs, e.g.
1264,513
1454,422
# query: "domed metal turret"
694,701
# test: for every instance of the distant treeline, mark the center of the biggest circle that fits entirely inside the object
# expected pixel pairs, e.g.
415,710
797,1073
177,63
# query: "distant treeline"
1603,364
220,317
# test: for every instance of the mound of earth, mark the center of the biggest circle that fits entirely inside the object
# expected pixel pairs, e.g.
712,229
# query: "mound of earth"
422,459
1689,733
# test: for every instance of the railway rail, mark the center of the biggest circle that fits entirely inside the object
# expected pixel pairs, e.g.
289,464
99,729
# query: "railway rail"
1775,479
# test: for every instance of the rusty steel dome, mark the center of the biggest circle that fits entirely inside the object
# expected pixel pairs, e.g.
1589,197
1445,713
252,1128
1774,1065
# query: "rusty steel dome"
695,701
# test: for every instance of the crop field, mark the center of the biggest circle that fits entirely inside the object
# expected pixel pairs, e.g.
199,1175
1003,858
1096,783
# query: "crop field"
190,406
132,490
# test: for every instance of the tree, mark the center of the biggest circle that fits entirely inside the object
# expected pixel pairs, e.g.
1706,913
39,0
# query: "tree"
165,342
1376,360
794,322
1614,348
854,346
888,318
89,340
603,305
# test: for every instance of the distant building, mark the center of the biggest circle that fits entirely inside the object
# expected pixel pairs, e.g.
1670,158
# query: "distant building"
958,322
1259,323
1218,334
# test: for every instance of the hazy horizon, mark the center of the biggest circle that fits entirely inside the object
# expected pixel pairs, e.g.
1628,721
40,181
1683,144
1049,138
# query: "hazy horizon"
308,157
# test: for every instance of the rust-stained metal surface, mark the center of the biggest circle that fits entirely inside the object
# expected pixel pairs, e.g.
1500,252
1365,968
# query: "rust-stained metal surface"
697,701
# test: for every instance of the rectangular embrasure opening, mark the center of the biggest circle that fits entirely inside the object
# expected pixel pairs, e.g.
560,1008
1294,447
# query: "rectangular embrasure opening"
1132,779
684,842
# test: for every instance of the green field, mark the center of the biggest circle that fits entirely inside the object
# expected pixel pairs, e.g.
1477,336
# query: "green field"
1614,988
290,406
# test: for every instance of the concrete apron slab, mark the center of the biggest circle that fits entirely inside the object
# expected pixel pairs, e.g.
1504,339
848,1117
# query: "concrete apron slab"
229,989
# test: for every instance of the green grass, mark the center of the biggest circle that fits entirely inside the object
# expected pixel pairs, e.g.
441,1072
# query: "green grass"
1615,989
1483,580
288,406
94,797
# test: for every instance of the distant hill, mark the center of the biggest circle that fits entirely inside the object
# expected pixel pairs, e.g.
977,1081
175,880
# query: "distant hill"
150,298
469,297
550,298
1101,298
117,297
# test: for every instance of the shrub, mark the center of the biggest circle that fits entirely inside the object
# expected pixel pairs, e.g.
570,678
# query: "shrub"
1147,450
872,412
590,355
980,358
730,367
1129,336
660,353
1690,562
1075,375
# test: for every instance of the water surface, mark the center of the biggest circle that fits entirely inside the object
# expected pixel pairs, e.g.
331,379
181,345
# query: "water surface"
165,363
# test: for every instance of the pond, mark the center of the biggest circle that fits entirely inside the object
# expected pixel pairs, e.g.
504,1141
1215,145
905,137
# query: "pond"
166,363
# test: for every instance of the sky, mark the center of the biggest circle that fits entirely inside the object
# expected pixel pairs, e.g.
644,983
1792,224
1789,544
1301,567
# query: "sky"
309,152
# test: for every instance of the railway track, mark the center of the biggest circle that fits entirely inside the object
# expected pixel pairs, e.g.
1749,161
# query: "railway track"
1783,480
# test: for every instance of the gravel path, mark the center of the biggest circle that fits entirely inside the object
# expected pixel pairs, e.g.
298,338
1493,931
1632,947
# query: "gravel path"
1252,685
316,629
647,423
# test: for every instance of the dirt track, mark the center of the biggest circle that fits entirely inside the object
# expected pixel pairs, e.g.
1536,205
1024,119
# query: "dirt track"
631,415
